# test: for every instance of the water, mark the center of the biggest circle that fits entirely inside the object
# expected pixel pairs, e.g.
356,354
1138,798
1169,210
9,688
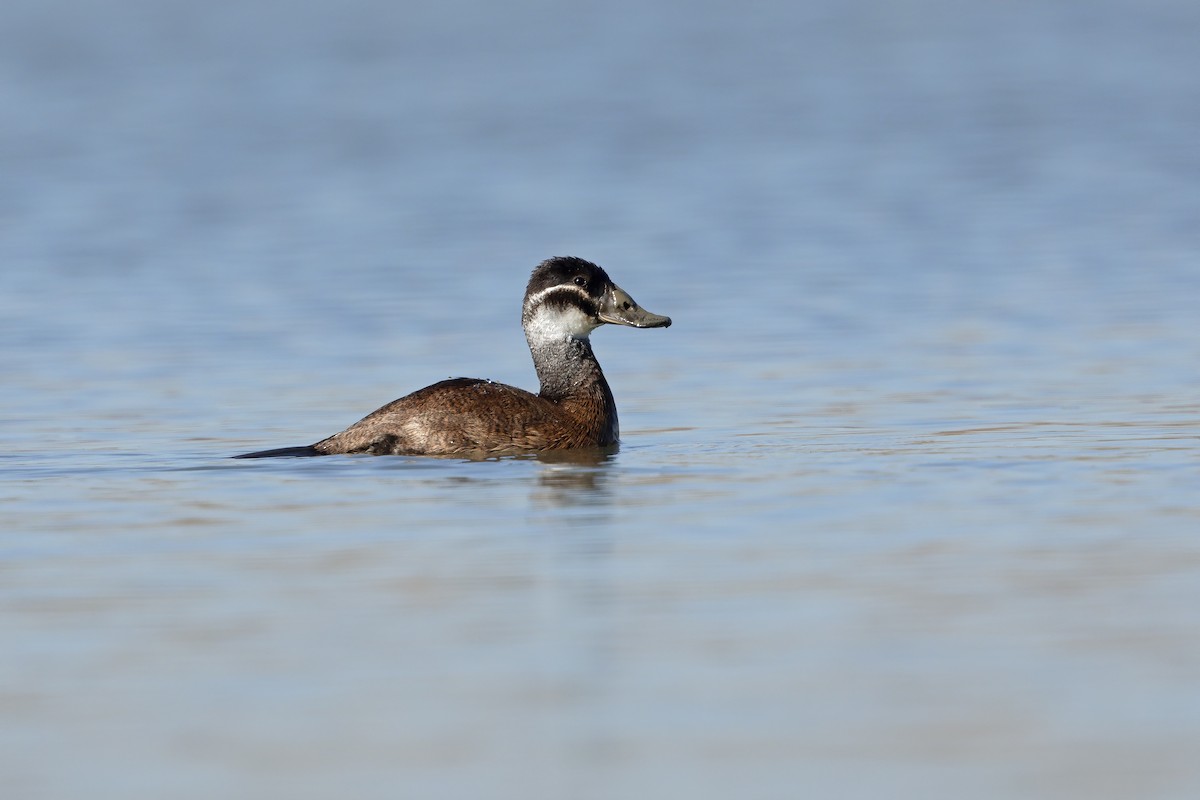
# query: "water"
906,504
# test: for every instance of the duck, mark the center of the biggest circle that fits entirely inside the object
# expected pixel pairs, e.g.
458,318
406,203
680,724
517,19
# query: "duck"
565,300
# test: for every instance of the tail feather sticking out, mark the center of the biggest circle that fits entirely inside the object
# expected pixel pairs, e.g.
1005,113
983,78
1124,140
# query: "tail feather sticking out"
284,452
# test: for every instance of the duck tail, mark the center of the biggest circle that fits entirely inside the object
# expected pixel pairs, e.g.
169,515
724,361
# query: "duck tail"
284,452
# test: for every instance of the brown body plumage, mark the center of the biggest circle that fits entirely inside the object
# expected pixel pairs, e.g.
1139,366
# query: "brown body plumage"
565,300
470,415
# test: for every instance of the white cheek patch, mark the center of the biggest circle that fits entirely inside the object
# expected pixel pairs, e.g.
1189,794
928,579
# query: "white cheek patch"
559,323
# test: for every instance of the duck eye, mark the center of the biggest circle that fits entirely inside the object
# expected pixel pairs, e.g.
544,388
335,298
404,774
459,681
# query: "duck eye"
580,281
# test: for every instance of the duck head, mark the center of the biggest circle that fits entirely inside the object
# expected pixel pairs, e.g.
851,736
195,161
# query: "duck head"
568,296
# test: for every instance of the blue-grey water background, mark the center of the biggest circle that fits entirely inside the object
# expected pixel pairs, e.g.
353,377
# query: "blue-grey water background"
907,503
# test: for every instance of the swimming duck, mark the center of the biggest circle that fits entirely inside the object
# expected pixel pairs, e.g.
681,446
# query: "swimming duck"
567,298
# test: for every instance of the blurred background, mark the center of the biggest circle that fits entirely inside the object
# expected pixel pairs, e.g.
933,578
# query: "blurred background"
906,500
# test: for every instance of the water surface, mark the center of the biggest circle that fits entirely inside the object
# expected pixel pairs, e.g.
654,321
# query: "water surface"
906,502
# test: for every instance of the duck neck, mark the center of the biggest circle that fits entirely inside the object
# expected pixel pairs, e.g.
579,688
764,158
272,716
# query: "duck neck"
566,367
